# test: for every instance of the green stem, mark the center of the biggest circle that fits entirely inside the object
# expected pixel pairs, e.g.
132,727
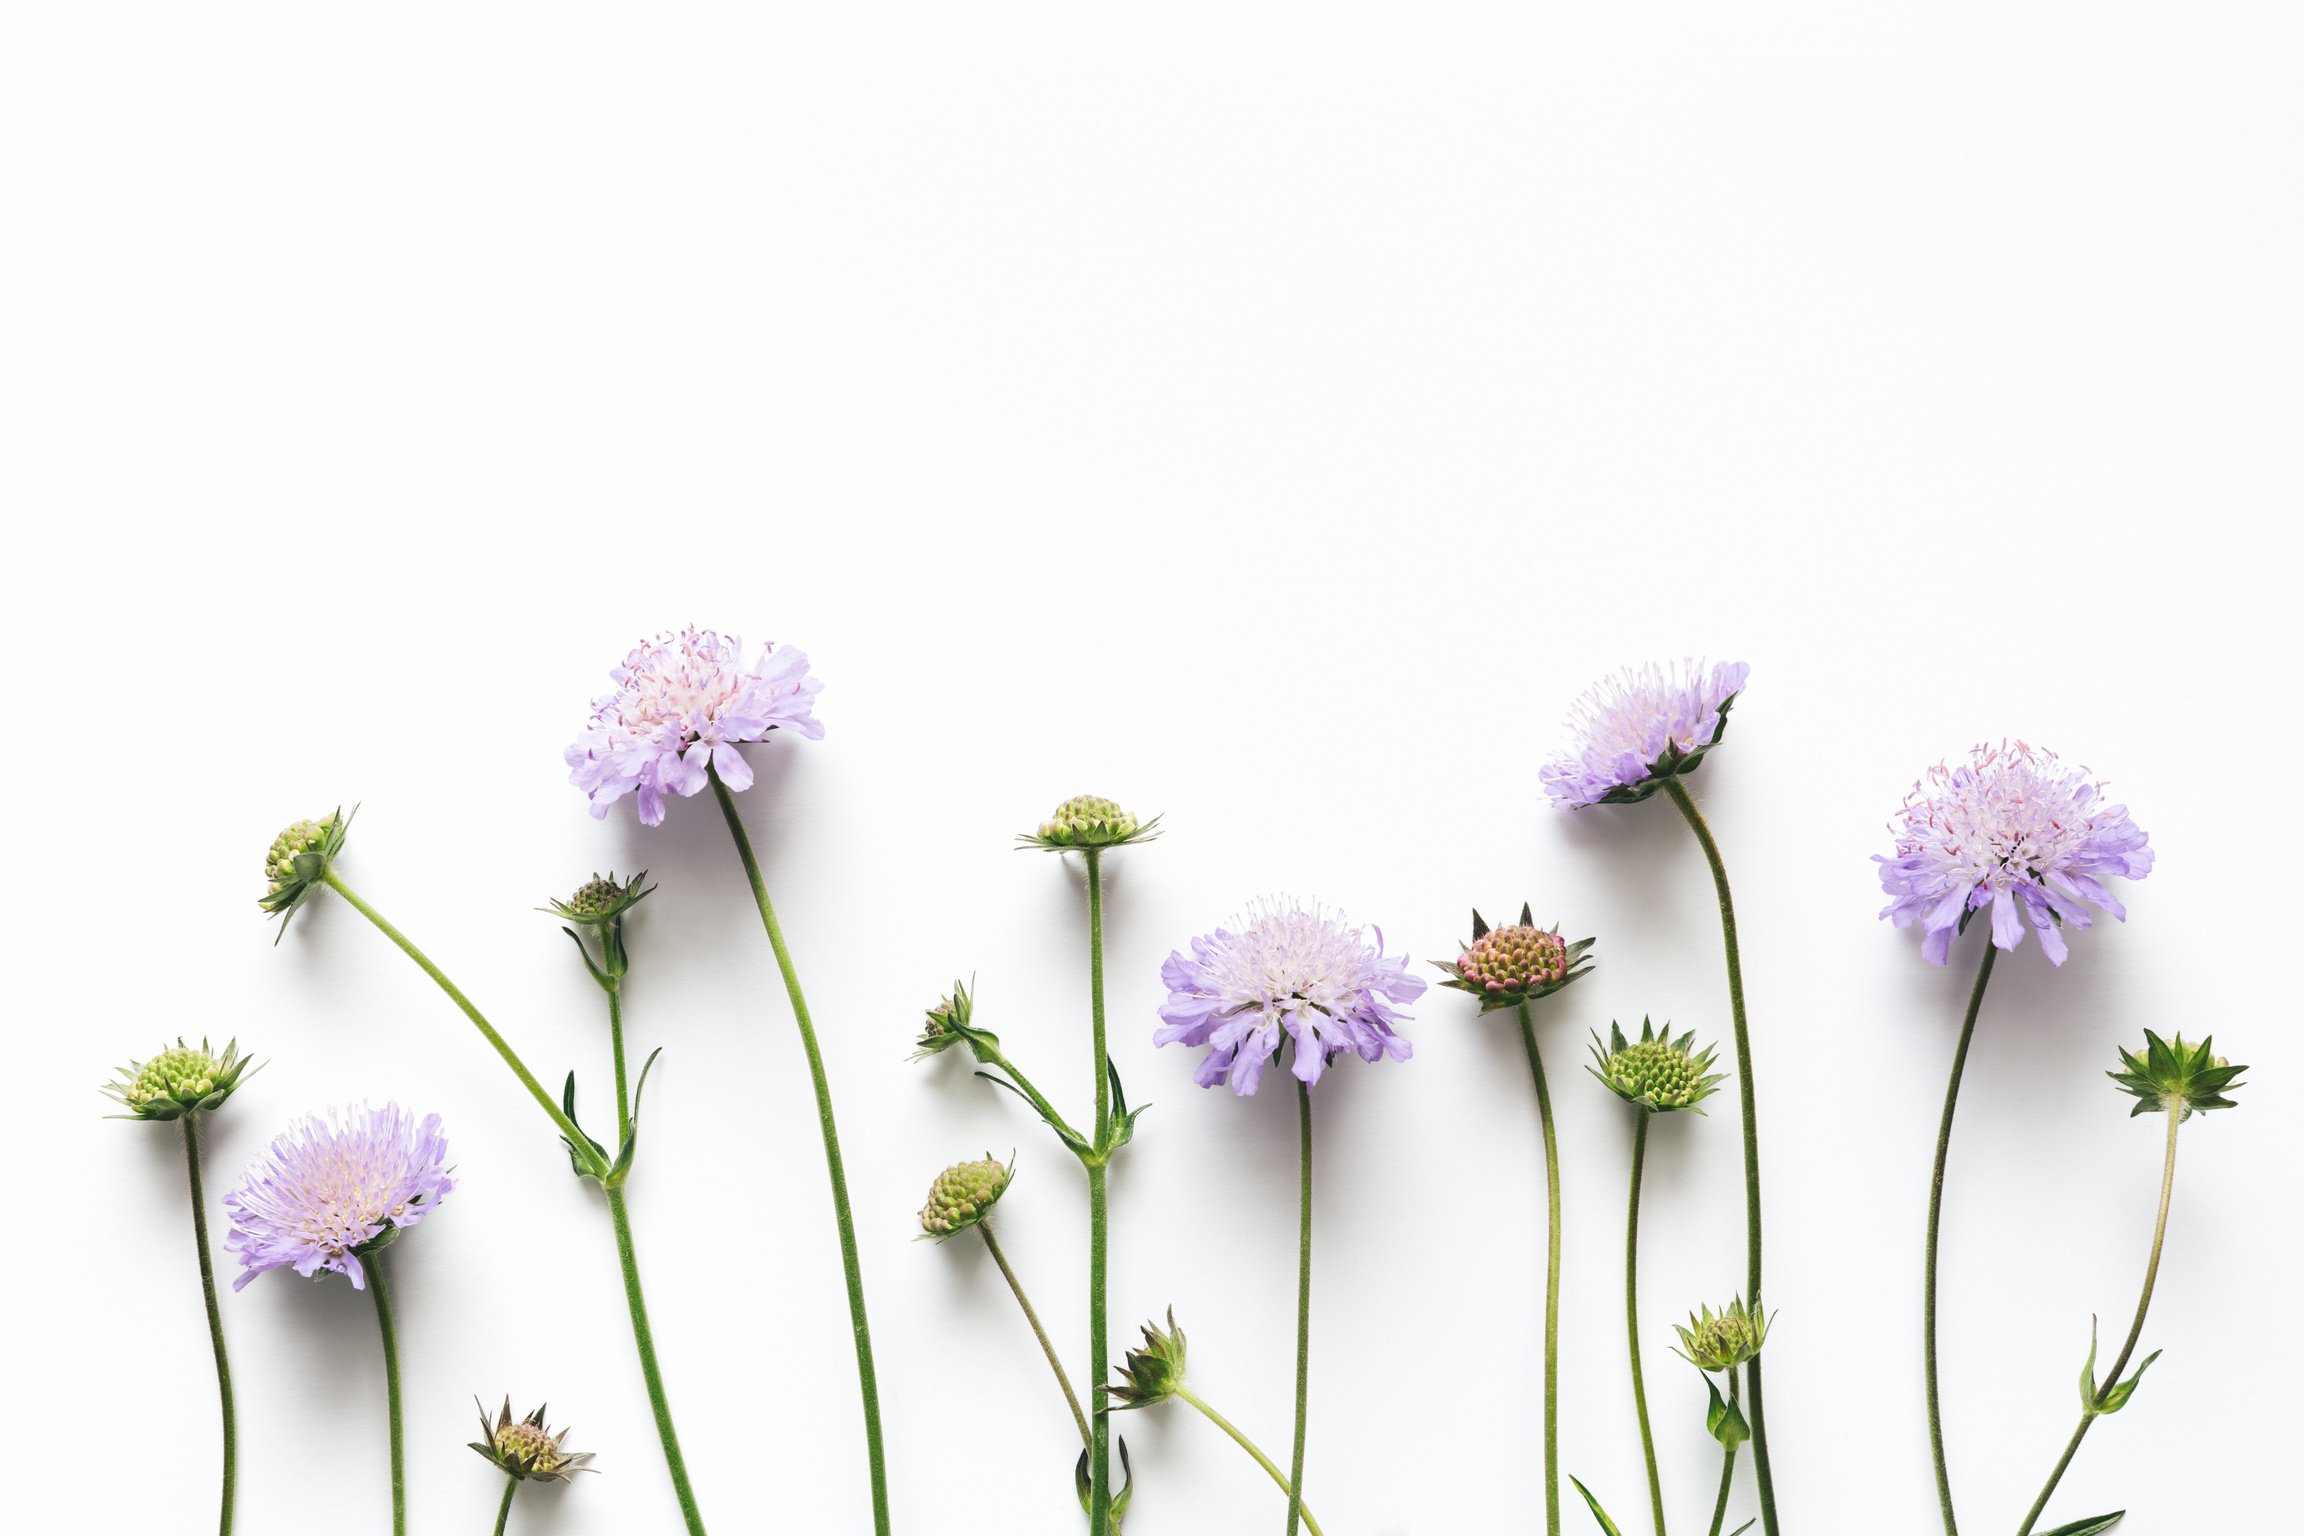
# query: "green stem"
504,1510
1935,1213
1303,1300
1055,1361
867,1379
1632,1315
2111,1378
1099,1212
645,1338
1032,1095
215,1318
576,1138
1758,1416
1249,1446
376,1288
615,991
1551,1277
1727,1467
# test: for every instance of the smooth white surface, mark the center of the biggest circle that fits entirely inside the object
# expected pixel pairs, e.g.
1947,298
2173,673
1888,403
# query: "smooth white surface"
1271,417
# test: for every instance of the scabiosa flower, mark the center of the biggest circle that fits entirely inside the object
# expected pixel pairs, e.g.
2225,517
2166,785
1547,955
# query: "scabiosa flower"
1294,972
525,1448
179,1081
963,1195
1505,967
336,1188
1655,1073
683,702
2178,1073
1089,821
1719,1341
2015,830
1152,1374
1637,728
600,900
298,860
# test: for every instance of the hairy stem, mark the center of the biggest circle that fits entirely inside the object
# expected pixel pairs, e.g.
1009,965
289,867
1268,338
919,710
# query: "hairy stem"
1055,1361
504,1508
1099,1212
1551,1276
376,1288
1278,1477
1632,1316
644,1337
215,1318
1935,1214
1303,1301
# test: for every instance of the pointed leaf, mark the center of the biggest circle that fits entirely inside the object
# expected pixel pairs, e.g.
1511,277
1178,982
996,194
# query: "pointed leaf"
2116,1397
2088,1527
1080,1148
1598,1513
2088,1371
1724,1419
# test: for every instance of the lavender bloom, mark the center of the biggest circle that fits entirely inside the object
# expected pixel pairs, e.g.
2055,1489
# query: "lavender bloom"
336,1188
1302,970
681,702
2015,830
1637,728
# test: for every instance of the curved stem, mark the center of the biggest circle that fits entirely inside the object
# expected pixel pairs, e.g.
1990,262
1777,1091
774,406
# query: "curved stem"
1757,1417
215,1318
1055,1362
1099,1213
1551,1276
1727,1467
644,1338
867,1378
576,1138
377,1289
1303,1301
1032,1095
1632,1315
616,1044
504,1510
2111,1377
1247,1445
1935,1212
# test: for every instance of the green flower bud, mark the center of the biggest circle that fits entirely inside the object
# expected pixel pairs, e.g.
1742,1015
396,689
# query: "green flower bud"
525,1448
1505,967
298,860
962,1196
601,899
1721,1341
1655,1073
1154,1373
2176,1072
1089,821
948,1024
179,1081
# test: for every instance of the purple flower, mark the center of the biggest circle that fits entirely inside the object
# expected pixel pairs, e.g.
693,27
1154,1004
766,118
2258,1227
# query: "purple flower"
681,702
1302,970
336,1188
2015,830
1635,729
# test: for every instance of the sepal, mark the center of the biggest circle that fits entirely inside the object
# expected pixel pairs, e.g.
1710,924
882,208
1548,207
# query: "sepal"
1724,1420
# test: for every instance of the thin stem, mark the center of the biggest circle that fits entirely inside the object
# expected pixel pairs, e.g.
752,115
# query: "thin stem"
867,1379
1032,1095
645,1338
1758,1417
1055,1361
1303,1300
615,991
576,1138
1935,1212
2111,1378
1727,1467
1632,1315
215,1318
504,1510
377,1289
1247,1445
1099,1212
1551,1276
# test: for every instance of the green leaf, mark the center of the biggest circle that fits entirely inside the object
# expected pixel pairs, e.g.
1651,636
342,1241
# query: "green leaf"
2089,1526
2116,1397
1598,1513
1724,1419
1740,1530
2088,1371
1080,1147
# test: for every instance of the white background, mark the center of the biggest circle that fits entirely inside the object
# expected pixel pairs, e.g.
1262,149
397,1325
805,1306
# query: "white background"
1271,417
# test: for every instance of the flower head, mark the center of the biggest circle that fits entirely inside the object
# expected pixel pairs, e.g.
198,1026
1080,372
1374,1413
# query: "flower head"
1717,1341
179,1081
948,1024
1655,1073
683,704
335,1188
2176,1072
2015,830
1635,729
1152,1374
600,900
1291,973
1089,821
1505,967
964,1195
525,1448
298,861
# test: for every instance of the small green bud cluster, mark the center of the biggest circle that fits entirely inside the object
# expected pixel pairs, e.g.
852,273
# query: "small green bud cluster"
1655,1072
1088,821
182,1075
597,896
1521,958
962,1196
1154,1373
298,838
525,1448
528,1445
1719,1341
